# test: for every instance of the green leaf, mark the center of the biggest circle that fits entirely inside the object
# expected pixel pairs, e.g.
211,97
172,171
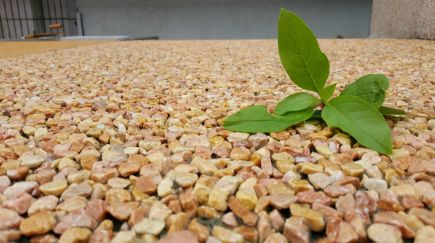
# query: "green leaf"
256,119
361,120
300,54
388,111
296,102
327,92
370,87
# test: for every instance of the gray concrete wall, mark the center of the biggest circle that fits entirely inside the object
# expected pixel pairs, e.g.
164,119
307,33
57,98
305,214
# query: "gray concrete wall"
220,19
403,19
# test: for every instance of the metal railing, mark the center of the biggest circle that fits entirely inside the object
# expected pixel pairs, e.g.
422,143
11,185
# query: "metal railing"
33,18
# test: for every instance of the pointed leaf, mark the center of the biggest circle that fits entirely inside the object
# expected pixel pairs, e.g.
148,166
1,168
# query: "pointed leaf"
327,92
256,119
296,102
370,88
388,111
361,120
300,54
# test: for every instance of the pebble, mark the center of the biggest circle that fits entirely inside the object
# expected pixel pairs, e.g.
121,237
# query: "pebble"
46,203
149,226
425,234
314,219
75,235
37,224
296,230
55,188
384,233
9,219
226,235
180,236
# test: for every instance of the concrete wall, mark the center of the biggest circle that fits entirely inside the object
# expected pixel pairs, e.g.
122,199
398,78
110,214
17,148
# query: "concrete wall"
403,19
220,19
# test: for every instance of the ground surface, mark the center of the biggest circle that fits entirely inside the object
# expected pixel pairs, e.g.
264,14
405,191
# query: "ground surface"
128,134
19,48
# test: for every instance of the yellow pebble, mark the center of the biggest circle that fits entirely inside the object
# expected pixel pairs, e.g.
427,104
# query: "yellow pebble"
352,169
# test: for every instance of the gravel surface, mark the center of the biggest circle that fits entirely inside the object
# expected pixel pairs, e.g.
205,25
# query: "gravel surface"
123,142
19,48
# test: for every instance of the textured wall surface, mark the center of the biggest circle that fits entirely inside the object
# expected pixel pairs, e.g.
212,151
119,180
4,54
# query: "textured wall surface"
403,19
220,19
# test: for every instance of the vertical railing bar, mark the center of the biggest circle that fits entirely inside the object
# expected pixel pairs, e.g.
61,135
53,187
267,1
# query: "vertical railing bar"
43,15
19,17
49,15
1,26
63,20
25,16
6,18
13,16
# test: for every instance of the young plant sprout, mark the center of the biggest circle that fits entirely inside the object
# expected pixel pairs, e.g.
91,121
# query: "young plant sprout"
357,110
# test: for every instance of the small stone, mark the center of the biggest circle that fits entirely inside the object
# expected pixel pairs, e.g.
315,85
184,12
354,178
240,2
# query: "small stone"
299,185
238,209
249,234
309,168
31,160
119,183
384,233
320,180
425,216
230,219
296,230
124,237
177,222
20,204
281,201
341,231
313,218
200,230
185,179
352,169
19,188
96,209
83,189
410,220
240,153
76,218
184,236
226,235
208,212
246,193
425,234
37,224
377,185
392,218
311,197
129,168
73,203
104,174
55,188
47,203
146,184
276,238
159,211
277,220
122,210
9,219
165,187
149,226
75,235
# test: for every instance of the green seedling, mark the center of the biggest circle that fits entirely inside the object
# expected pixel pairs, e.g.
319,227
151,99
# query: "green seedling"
357,110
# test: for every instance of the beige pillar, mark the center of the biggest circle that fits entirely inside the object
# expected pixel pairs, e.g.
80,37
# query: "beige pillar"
403,19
